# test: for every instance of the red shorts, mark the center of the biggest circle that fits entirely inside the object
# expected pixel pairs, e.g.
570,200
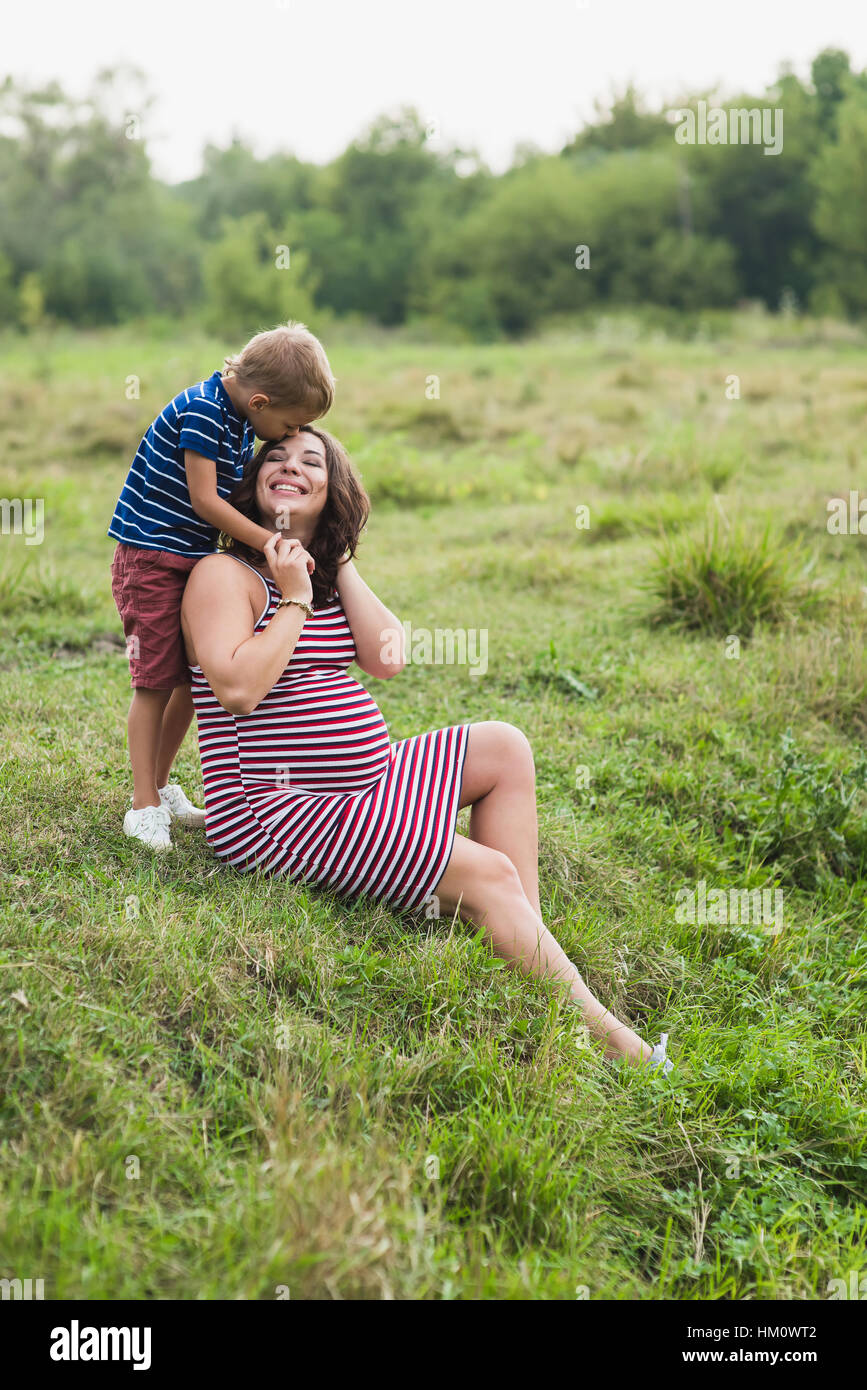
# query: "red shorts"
148,586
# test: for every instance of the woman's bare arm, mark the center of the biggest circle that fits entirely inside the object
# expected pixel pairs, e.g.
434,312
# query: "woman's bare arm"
378,634
239,665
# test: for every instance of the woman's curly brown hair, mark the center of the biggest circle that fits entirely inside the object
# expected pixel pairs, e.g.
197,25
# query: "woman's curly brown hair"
339,526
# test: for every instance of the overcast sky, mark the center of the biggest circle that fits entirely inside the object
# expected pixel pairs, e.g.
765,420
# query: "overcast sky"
308,77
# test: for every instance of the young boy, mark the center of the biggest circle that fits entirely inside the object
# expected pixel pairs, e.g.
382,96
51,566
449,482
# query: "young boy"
169,514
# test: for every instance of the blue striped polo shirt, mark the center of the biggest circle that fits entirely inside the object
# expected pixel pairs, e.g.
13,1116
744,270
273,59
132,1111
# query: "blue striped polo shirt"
154,509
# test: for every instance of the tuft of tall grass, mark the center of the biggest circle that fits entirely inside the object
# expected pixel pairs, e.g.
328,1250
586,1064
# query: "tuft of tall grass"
37,590
726,581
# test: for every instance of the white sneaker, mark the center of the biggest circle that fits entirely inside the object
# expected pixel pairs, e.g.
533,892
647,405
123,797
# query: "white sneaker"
179,808
150,825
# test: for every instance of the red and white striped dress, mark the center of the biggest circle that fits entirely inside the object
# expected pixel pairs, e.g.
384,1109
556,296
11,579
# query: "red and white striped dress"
309,784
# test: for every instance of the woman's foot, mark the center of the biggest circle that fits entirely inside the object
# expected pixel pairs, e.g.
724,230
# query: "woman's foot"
658,1060
149,825
174,801
641,1055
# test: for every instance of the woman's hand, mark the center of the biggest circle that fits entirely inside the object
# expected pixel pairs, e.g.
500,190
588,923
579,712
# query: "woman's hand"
218,618
291,567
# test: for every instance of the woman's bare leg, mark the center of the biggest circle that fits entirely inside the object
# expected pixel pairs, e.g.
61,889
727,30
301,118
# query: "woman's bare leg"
483,885
500,785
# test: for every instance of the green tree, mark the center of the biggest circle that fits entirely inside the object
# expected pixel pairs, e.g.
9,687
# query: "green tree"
840,175
366,248
692,272
624,123
31,302
762,205
516,256
82,210
234,182
8,295
250,282
832,79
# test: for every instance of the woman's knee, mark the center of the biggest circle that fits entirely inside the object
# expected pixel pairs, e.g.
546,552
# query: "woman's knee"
479,878
507,743
516,751
499,875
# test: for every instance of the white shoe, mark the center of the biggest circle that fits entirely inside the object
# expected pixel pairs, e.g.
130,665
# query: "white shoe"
657,1060
150,825
179,808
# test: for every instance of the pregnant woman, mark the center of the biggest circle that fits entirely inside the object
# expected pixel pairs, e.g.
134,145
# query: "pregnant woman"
300,775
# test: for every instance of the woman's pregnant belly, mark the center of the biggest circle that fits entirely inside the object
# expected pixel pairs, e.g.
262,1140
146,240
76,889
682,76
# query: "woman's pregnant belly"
318,731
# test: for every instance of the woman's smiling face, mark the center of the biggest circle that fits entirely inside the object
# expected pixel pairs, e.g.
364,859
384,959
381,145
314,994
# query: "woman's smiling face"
292,486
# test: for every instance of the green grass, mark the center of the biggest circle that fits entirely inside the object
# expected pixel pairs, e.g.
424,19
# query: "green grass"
726,582
215,1084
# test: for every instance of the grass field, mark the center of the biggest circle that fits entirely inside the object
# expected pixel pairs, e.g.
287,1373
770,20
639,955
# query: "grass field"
217,1086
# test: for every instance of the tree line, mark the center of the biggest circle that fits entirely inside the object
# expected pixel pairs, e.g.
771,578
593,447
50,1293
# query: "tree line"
397,229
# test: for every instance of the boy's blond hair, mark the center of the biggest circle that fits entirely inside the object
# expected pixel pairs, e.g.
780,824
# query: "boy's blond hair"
289,364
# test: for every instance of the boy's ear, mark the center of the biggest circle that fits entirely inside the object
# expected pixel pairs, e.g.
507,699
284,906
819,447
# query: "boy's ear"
258,401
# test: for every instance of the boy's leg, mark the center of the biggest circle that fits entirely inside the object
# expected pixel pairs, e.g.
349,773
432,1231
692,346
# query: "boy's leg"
144,729
148,587
176,719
